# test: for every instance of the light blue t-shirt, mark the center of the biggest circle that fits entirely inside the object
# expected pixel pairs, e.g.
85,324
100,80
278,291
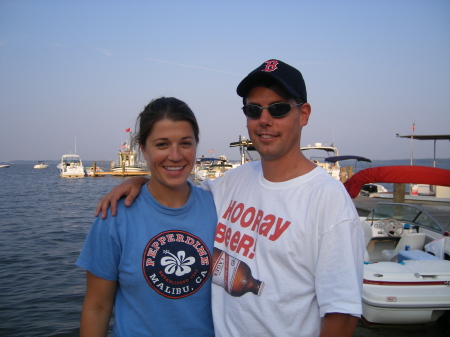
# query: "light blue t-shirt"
161,258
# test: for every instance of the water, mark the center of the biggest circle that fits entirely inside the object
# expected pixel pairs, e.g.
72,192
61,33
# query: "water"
44,220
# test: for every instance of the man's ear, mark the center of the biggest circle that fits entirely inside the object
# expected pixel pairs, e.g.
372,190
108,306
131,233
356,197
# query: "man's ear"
305,112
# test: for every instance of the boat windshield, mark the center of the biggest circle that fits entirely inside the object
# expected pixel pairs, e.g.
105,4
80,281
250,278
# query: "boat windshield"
405,213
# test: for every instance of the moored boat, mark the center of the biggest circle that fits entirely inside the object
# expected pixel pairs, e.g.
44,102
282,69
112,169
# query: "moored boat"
246,149
211,168
407,260
91,169
360,163
128,160
41,165
71,166
318,157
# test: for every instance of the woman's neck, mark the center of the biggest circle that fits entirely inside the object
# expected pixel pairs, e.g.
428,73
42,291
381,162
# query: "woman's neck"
173,198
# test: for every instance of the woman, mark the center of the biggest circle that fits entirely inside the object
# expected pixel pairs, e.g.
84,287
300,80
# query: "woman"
152,262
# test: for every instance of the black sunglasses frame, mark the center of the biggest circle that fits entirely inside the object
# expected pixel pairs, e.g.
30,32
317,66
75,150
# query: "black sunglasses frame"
272,109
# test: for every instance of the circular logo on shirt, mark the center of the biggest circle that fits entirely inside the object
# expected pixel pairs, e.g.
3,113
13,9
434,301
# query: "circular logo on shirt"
176,264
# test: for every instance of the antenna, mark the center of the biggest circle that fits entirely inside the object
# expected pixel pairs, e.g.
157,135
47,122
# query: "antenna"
332,144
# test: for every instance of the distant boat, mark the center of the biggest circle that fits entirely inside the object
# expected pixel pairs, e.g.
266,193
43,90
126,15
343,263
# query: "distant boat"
71,166
128,160
247,151
41,165
367,189
4,165
211,168
90,171
332,168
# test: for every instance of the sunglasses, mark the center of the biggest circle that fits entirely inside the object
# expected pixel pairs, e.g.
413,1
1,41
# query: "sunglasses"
276,110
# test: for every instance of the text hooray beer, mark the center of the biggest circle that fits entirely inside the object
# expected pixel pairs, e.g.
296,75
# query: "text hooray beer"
234,275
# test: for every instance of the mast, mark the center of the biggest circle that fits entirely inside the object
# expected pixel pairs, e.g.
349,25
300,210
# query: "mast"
412,142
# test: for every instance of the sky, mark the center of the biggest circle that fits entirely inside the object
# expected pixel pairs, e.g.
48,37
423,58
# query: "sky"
74,75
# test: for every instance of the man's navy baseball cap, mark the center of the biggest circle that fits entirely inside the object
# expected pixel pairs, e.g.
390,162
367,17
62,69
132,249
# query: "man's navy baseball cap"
287,76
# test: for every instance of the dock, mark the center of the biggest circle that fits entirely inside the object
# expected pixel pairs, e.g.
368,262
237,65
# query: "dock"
120,174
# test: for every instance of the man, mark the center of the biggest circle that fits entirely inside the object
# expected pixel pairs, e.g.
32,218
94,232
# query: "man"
288,253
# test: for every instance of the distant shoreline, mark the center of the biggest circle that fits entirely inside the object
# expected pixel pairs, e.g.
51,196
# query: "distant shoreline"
440,162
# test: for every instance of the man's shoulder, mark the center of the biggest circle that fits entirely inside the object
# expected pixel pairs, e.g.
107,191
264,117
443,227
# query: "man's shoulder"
250,166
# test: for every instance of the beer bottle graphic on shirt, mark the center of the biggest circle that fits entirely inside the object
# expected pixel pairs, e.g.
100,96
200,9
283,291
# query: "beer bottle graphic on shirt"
234,275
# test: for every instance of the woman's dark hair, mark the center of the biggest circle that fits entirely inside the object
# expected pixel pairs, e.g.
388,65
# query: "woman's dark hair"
163,108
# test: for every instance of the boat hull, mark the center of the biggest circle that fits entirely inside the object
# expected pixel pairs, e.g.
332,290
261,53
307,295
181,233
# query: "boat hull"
388,316
128,169
72,173
412,292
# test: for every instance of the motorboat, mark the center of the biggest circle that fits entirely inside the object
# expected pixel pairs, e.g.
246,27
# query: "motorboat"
218,170
246,149
407,259
211,168
4,165
41,165
405,282
91,169
321,152
201,167
71,166
359,163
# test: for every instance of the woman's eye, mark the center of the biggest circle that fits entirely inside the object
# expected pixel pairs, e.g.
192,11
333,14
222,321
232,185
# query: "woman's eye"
160,145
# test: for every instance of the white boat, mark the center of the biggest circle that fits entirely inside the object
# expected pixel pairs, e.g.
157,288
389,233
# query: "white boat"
404,286
128,160
359,163
201,167
407,260
71,166
41,165
211,168
246,149
318,157
89,170
217,170
4,165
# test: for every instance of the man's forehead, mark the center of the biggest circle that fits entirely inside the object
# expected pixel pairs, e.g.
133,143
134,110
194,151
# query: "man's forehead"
256,93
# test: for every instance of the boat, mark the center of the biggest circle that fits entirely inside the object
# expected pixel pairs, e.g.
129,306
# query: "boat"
246,149
360,163
89,170
218,169
71,166
318,158
211,168
4,165
129,162
41,165
201,167
407,259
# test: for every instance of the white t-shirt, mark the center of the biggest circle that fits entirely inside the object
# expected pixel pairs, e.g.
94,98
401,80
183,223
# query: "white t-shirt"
300,238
